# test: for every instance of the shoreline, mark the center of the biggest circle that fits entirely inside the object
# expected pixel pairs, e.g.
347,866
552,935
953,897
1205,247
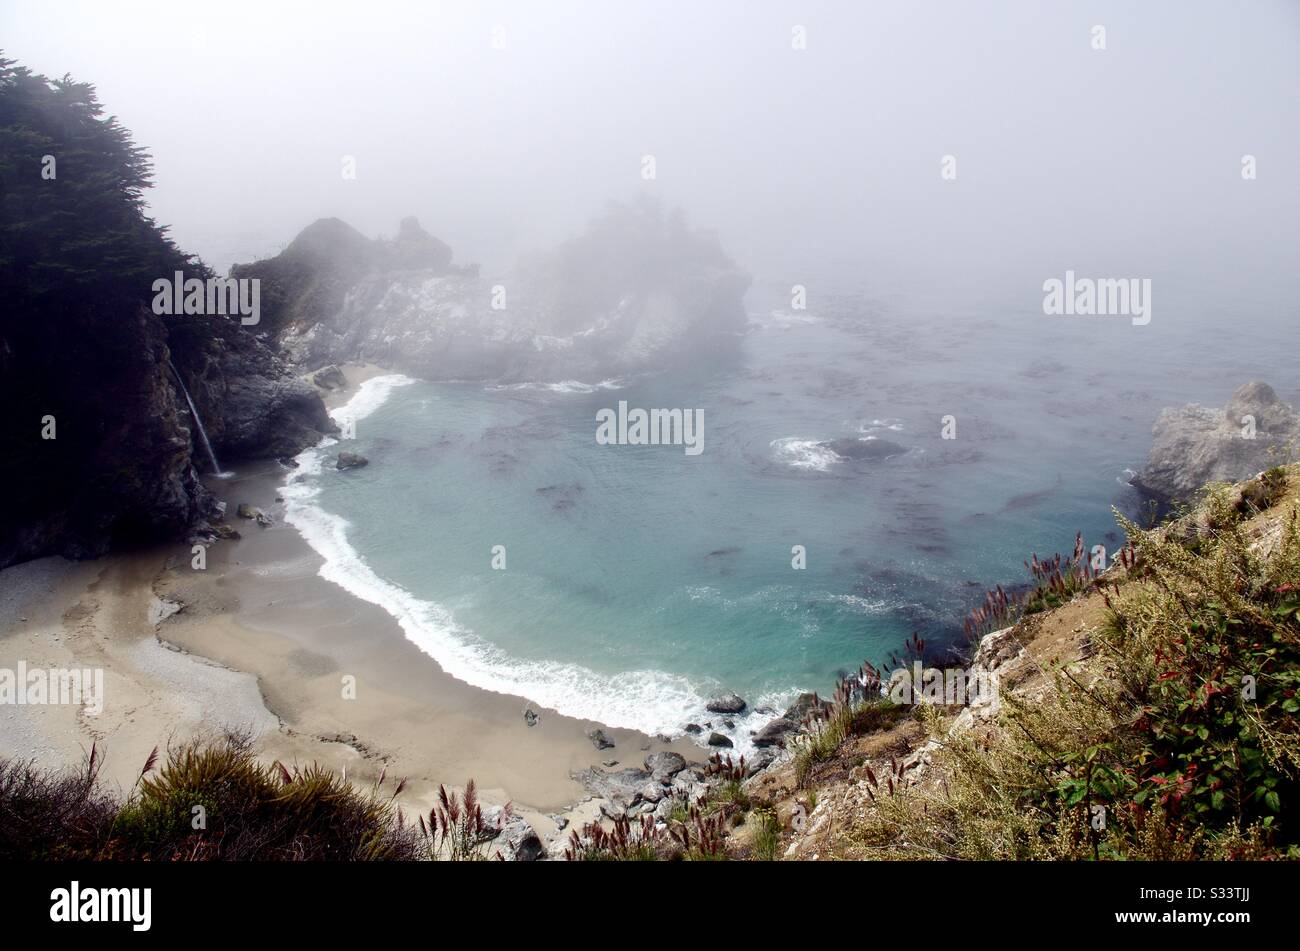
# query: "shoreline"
258,640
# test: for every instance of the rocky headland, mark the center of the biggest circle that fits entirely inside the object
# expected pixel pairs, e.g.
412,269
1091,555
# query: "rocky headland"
636,291
1194,445
113,409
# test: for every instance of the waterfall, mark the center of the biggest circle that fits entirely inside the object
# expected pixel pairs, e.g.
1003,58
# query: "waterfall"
203,434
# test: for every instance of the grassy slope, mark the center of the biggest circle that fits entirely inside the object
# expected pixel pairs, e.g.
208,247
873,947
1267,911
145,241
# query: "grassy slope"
1105,714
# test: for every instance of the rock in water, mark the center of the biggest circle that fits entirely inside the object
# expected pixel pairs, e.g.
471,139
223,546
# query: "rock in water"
350,460
727,703
717,739
1194,444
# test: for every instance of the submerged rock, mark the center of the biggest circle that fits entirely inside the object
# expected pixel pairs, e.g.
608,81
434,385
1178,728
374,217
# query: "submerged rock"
350,460
868,450
1194,444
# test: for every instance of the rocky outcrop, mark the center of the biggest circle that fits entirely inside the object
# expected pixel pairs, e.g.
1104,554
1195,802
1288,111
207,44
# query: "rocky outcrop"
637,291
252,403
112,466
329,378
1194,445
99,442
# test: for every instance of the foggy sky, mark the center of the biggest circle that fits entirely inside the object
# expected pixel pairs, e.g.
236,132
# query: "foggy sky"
1120,162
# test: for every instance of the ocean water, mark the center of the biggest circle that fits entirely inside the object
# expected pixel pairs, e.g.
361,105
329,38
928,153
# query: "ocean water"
640,580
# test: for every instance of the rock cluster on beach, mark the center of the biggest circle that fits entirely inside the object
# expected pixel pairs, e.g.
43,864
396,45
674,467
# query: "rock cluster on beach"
1194,444
667,780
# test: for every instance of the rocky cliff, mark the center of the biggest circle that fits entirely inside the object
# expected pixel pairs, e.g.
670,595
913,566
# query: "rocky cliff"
1193,445
638,290
99,442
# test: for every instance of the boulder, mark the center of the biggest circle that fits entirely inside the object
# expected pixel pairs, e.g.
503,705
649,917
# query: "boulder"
775,732
350,460
621,786
717,739
600,739
664,765
253,512
760,761
516,840
666,805
727,703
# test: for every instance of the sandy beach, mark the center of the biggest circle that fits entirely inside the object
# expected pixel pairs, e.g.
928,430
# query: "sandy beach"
257,640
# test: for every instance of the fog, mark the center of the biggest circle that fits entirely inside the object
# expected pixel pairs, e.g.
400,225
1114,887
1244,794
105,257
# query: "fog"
504,126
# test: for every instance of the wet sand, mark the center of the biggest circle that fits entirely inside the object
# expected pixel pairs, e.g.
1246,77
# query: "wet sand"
259,640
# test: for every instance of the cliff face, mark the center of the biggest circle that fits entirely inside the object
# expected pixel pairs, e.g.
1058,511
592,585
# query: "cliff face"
98,440
637,291
1193,445
252,404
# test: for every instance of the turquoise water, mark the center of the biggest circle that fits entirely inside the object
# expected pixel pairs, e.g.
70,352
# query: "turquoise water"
639,579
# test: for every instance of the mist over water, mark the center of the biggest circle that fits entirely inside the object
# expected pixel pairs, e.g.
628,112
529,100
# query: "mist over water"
639,581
